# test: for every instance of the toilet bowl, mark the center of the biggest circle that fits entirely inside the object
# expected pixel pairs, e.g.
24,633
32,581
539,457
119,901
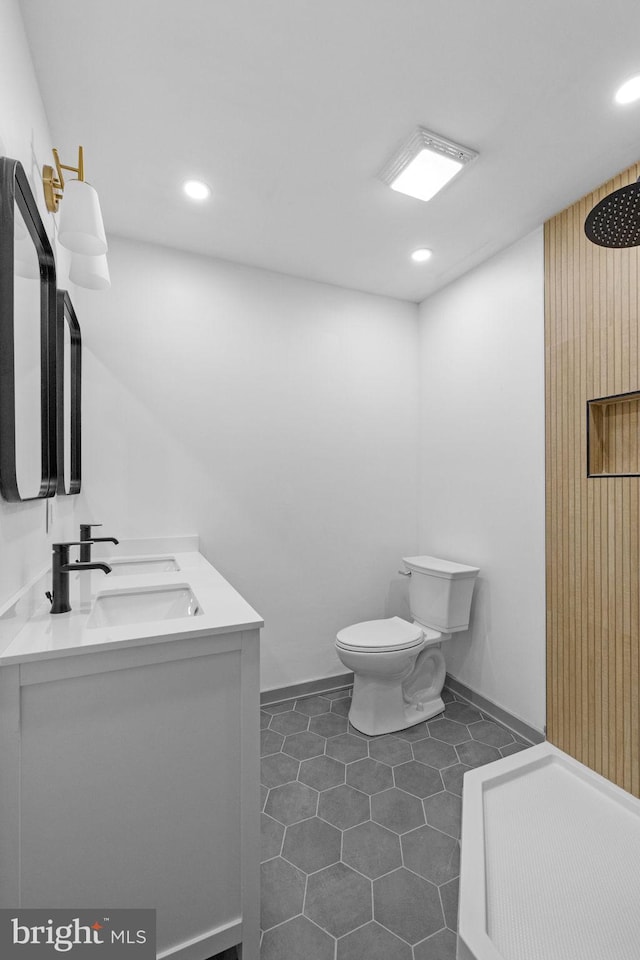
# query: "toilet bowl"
399,668
384,655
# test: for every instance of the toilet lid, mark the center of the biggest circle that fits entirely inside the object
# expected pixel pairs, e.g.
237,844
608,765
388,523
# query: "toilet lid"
380,635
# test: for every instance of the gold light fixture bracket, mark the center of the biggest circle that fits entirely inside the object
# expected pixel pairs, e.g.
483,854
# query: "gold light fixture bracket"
54,185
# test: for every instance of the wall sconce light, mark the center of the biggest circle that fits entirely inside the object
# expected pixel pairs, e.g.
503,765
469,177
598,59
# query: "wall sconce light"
80,229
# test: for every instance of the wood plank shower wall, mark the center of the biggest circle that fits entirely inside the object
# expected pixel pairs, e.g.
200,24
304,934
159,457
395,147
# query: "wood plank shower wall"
593,564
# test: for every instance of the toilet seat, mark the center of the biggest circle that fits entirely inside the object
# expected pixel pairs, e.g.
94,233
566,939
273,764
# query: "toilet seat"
380,636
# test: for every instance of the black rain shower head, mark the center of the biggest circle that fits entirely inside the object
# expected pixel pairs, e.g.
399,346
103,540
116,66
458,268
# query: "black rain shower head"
615,221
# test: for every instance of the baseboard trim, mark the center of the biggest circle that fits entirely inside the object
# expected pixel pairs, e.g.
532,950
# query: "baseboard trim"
297,690
515,724
345,680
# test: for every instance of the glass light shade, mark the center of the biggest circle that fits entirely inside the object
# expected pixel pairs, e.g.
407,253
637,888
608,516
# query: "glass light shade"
63,264
19,229
81,229
90,272
25,260
421,255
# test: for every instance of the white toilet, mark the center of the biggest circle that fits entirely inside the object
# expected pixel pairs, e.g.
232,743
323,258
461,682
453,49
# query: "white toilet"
398,666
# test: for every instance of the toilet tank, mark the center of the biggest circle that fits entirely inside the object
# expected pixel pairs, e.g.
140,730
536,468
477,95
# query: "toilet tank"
440,592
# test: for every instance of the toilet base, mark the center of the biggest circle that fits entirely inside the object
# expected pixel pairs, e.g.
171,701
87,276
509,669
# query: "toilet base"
379,708
385,704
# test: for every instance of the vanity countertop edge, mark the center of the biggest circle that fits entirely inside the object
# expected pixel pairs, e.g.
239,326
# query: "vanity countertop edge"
29,632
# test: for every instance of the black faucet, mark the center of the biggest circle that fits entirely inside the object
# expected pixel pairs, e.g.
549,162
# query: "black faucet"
60,570
86,539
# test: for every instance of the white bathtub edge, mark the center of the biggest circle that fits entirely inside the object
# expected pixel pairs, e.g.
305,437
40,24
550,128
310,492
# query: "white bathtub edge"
473,940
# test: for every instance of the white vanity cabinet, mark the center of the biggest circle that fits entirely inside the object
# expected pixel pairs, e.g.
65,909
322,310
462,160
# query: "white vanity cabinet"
129,772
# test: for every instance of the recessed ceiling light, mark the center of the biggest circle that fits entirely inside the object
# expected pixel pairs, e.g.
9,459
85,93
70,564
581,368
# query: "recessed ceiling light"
424,164
196,189
629,91
421,255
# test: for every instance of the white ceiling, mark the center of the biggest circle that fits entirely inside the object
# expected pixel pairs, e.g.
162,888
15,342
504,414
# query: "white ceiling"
289,108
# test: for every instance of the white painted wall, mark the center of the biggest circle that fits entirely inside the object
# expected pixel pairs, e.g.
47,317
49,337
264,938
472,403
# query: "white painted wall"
278,417
482,467
24,135
275,417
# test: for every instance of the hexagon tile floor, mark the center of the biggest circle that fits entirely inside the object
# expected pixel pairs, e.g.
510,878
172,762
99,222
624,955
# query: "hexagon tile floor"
360,835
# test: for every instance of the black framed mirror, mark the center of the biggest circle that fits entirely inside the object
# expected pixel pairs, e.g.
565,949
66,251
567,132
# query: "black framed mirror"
68,387
27,343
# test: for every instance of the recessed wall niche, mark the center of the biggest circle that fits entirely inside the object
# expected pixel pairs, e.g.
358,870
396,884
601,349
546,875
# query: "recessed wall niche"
613,436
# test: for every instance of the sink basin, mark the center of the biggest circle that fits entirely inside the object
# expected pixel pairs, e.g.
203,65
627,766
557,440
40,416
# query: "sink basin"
127,568
117,609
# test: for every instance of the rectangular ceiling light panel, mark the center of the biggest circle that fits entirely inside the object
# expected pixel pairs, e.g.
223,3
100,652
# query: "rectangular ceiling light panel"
424,164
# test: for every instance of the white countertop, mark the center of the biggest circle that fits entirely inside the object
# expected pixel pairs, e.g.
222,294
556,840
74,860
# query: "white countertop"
39,635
